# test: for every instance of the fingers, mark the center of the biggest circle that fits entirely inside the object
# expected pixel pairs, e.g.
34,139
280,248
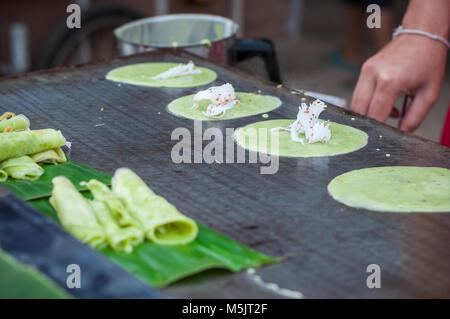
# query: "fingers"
378,88
375,93
383,99
364,90
422,103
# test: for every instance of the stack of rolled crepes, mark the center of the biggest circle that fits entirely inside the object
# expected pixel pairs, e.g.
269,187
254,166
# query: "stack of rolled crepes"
22,151
121,217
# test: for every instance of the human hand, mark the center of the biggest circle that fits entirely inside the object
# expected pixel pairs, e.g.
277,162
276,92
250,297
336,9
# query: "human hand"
410,64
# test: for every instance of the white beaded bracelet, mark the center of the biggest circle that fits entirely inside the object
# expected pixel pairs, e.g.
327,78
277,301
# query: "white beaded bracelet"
400,30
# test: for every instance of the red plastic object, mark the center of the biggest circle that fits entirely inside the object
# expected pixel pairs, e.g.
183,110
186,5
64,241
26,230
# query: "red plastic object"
445,137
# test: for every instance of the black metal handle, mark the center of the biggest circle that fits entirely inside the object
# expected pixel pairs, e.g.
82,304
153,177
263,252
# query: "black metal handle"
246,48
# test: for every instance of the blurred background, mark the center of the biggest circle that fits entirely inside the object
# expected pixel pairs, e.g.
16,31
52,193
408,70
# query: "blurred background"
319,44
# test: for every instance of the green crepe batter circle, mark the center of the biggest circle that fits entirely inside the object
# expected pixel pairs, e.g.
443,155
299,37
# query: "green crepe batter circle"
394,189
344,139
251,104
141,73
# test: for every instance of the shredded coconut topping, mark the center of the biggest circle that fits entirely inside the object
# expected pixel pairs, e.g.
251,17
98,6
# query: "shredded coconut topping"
222,99
179,70
308,123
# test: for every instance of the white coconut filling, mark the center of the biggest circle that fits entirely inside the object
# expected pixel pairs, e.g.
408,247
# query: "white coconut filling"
222,97
318,133
179,70
308,123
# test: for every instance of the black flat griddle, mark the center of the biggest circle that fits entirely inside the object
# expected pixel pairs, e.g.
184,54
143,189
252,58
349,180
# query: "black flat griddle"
327,245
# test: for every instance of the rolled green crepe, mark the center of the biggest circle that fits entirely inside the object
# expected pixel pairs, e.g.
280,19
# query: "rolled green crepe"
15,123
16,144
101,192
53,156
22,168
162,222
3,176
119,238
76,214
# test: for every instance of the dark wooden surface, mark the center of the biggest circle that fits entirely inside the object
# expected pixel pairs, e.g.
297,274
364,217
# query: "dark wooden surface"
327,246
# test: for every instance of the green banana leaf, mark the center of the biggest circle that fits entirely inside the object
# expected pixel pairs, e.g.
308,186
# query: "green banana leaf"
21,281
161,265
154,264
42,187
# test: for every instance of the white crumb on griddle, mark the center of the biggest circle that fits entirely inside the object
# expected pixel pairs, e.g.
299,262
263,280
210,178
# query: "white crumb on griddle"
274,287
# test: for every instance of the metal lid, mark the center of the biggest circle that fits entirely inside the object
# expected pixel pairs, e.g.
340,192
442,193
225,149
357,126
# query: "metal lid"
177,30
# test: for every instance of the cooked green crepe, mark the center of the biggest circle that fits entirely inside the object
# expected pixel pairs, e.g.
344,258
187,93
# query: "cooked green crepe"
119,238
3,176
43,187
16,144
76,214
15,123
394,189
101,192
251,104
344,139
162,222
142,73
53,156
23,168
